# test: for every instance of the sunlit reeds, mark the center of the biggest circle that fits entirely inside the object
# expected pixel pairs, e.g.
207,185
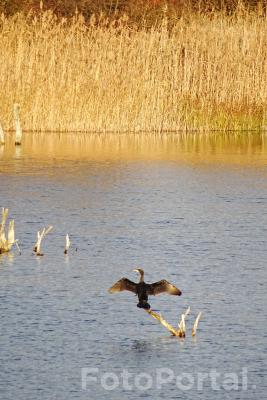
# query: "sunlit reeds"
204,72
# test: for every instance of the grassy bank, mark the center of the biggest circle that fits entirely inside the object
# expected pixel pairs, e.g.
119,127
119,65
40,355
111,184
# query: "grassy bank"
200,72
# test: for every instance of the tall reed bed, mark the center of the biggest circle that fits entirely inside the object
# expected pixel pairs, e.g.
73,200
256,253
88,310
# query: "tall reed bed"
203,72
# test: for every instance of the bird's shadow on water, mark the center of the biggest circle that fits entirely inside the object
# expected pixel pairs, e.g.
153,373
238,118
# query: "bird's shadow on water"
141,346
147,353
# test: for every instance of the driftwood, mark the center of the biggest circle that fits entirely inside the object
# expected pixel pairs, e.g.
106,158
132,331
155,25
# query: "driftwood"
6,241
181,330
40,236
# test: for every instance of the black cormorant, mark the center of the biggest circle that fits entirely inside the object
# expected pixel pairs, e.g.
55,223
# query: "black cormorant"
143,290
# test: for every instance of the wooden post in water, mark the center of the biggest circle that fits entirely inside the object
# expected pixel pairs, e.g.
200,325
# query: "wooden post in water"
2,135
67,244
16,109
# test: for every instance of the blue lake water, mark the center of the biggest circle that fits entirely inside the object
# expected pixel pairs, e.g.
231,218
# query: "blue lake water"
197,218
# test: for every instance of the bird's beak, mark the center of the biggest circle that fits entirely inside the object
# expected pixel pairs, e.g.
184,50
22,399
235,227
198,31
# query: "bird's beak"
135,270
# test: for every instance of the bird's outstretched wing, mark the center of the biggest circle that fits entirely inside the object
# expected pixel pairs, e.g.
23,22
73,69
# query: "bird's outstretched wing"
163,286
123,284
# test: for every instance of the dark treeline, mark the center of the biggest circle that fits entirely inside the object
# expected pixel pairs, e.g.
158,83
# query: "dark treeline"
135,9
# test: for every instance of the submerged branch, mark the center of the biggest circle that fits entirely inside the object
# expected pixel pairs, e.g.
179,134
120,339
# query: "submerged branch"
40,236
180,331
194,330
6,242
163,322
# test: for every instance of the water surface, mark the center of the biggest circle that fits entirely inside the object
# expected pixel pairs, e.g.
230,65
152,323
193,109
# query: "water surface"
191,209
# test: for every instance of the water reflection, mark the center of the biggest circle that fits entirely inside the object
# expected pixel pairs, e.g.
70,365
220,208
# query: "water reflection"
183,148
7,259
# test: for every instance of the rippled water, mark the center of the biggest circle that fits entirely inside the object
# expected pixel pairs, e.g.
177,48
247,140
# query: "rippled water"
189,209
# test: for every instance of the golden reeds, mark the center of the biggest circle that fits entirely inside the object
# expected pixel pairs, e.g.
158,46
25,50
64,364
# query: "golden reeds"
204,72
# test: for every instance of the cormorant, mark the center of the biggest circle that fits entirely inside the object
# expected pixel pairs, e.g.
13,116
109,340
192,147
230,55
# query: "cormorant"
143,290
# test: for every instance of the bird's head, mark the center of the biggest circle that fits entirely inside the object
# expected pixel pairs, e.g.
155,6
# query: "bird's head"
141,272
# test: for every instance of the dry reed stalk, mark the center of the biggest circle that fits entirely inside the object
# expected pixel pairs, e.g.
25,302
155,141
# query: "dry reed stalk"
203,73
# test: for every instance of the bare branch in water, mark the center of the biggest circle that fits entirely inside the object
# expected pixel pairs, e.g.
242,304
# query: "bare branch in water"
67,244
11,234
6,243
181,325
40,236
194,330
16,243
163,322
181,330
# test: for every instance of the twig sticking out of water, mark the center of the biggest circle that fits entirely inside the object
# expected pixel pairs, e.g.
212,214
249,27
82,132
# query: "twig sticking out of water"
163,322
11,234
194,330
2,135
40,236
180,331
67,244
16,110
6,243
181,325
3,240
16,242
